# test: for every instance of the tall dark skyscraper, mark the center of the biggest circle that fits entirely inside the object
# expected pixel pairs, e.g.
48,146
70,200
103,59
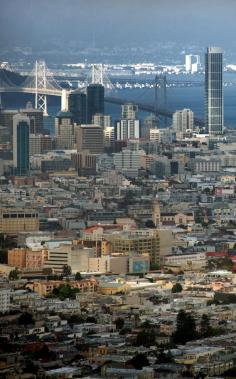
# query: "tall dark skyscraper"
21,130
95,100
214,97
77,104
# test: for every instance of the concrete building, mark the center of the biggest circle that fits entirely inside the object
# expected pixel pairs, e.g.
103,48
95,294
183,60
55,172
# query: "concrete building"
189,261
109,136
126,129
90,137
74,256
84,163
208,164
129,111
64,131
39,144
156,213
103,120
127,161
136,242
150,122
13,220
26,259
44,288
183,121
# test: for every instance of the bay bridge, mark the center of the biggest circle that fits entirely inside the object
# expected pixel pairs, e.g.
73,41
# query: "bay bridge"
41,83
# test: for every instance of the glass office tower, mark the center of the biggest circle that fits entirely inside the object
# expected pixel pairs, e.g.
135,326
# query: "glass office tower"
77,104
21,129
214,97
95,100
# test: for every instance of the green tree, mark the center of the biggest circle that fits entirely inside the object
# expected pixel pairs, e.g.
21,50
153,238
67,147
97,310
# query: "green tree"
66,270
14,274
146,338
119,323
91,320
186,328
65,291
177,288
150,224
139,361
205,328
26,318
163,357
76,319
78,276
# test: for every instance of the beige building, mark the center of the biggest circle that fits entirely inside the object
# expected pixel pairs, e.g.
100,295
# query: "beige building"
136,242
13,221
46,287
26,259
178,218
64,131
77,257
90,137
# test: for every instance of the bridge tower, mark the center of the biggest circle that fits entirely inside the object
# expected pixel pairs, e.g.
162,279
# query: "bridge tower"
40,83
99,76
160,96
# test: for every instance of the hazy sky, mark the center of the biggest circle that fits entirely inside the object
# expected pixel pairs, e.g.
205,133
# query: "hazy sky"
117,22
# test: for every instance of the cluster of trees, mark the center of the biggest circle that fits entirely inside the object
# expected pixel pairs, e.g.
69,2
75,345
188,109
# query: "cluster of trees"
223,263
186,329
177,288
65,291
14,274
80,319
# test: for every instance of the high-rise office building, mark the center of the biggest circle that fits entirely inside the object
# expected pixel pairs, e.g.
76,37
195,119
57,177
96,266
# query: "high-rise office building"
39,143
64,131
90,137
183,121
214,98
95,100
109,136
77,105
150,122
21,130
127,129
129,111
103,120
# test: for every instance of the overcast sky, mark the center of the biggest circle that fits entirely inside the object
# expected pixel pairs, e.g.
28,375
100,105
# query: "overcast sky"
117,22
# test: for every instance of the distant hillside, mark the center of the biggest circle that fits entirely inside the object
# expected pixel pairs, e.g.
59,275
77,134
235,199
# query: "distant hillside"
13,77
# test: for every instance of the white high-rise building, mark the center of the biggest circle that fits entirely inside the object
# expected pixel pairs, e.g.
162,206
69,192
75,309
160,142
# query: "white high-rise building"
127,129
183,121
103,120
109,136
192,63
188,63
